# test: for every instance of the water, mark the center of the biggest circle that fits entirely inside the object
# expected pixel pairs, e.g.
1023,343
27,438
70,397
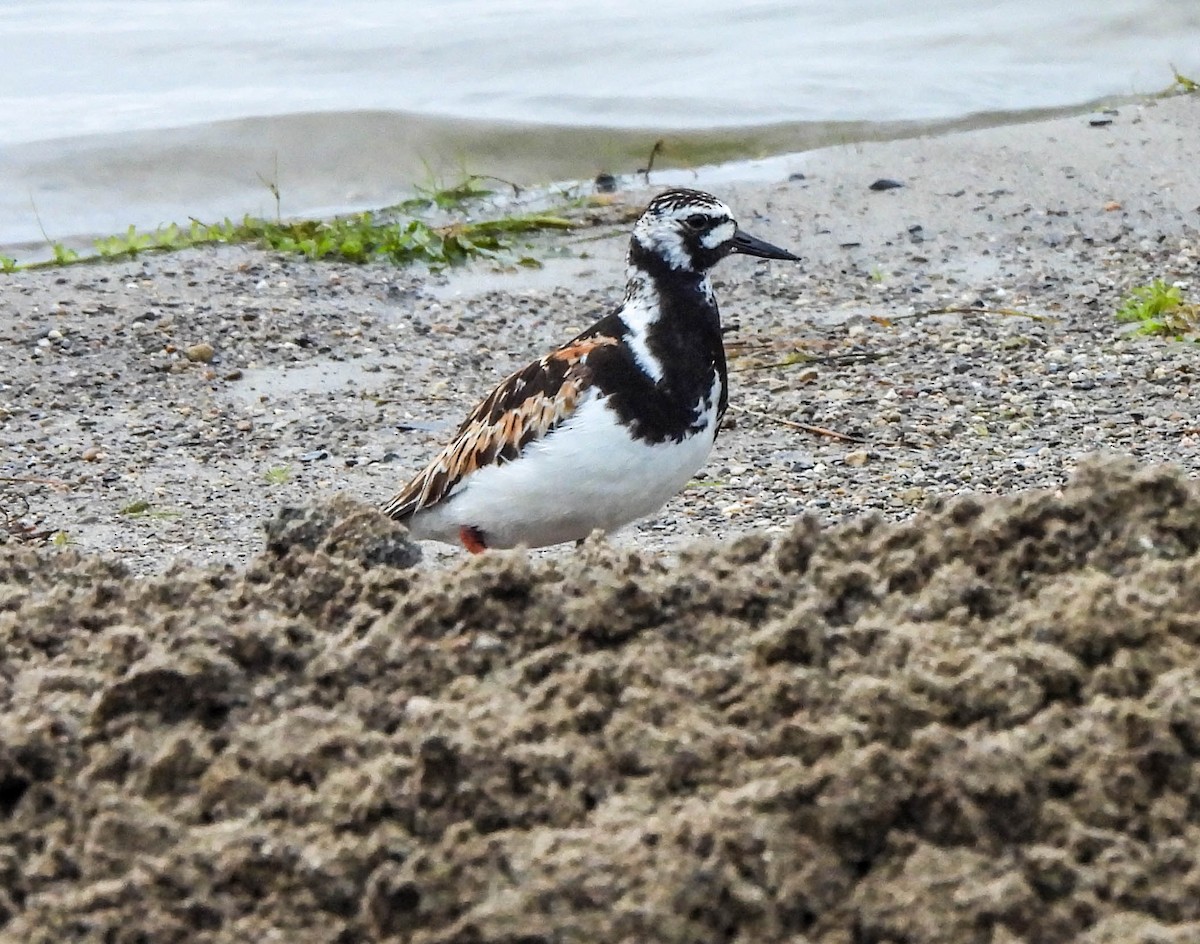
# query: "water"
147,111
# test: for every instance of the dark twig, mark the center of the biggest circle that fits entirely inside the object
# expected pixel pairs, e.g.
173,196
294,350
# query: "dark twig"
33,480
516,188
969,310
809,359
654,152
815,430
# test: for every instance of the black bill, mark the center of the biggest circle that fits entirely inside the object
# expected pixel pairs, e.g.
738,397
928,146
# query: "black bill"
752,246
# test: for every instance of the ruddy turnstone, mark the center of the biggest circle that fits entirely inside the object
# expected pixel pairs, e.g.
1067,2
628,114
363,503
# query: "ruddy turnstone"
603,430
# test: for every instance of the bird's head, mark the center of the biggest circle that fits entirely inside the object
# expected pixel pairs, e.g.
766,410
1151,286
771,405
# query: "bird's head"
692,231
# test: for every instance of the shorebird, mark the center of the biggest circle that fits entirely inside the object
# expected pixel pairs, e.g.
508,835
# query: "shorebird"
605,429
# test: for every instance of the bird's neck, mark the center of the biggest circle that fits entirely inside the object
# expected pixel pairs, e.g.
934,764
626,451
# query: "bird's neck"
666,291
672,318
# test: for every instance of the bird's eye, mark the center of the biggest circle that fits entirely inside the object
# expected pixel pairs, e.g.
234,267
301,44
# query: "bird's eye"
696,221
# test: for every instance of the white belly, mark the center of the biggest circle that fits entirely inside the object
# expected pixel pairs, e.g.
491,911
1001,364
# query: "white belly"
588,474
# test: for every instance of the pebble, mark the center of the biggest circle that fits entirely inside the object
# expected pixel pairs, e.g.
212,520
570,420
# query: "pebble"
419,706
200,353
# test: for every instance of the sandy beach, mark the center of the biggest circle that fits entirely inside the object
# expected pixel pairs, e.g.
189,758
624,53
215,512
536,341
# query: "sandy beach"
320,372
931,679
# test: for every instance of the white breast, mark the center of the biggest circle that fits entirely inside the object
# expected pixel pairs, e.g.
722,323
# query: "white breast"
587,474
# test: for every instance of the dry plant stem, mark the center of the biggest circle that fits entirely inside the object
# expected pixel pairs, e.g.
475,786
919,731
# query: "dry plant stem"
33,480
807,360
968,310
815,430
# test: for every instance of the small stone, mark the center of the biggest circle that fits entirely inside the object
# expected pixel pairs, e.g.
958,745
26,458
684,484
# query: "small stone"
419,706
486,642
244,426
92,454
234,374
200,353
857,458
884,183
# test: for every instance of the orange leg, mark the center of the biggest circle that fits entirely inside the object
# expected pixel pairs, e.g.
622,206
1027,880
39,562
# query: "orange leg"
472,539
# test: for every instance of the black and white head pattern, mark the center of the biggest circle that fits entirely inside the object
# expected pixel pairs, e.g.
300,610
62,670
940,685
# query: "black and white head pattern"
688,229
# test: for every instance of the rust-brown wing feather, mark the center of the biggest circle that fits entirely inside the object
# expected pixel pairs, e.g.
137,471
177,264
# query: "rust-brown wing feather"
525,406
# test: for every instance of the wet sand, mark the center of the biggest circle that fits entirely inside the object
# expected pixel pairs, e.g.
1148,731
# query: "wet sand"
935,686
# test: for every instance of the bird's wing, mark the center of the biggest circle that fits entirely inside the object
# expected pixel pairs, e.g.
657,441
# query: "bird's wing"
525,407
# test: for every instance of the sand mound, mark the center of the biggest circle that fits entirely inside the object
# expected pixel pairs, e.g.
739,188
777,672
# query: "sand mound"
978,726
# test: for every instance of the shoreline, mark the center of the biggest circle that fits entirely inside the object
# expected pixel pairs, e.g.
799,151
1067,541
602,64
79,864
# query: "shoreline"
315,365
223,169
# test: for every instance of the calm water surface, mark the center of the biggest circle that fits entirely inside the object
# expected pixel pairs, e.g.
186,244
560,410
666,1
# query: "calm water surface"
146,111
